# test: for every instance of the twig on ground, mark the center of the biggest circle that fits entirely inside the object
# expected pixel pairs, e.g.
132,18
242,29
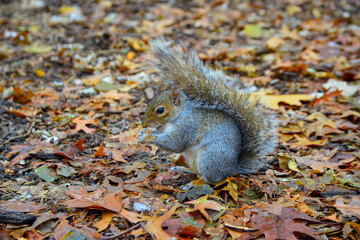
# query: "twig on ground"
145,228
123,232
21,136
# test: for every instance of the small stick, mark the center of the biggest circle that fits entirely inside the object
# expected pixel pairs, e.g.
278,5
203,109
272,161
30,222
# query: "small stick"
123,232
21,136
152,235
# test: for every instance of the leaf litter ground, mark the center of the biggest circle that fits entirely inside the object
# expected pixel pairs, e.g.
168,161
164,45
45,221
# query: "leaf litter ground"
74,87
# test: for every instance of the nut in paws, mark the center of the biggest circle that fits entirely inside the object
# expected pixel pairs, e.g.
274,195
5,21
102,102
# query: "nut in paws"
144,136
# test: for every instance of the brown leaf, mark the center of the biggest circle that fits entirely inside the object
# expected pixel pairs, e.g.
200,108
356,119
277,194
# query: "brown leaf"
81,125
80,144
22,151
153,224
100,151
350,209
83,199
202,203
21,97
281,226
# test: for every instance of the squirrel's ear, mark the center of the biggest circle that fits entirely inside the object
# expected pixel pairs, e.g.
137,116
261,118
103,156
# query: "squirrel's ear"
175,96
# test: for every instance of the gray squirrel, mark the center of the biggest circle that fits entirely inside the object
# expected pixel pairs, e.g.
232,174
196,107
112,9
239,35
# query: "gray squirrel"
219,128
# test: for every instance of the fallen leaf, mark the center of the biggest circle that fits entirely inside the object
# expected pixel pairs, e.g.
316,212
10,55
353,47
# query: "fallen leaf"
153,224
203,203
272,101
105,221
83,199
81,125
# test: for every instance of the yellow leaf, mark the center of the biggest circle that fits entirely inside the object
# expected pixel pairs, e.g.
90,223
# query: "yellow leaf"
37,48
350,113
130,55
253,30
66,9
105,220
136,44
293,166
305,208
40,73
284,160
306,142
287,33
292,10
272,101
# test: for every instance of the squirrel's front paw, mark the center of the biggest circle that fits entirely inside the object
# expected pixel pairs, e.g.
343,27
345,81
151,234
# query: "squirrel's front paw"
145,136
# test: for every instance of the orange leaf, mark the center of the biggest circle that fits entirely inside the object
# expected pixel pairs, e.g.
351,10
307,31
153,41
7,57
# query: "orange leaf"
153,224
21,97
81,125
130,56
100,151
105,220
83,199
80,144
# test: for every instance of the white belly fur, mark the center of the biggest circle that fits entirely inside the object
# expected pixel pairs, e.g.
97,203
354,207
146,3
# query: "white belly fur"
191,155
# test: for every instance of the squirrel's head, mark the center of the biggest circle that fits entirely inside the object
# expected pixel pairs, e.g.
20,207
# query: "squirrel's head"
162,107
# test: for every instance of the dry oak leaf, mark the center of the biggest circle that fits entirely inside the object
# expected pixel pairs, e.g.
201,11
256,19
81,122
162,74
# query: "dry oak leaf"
350,209
64,231
22,151
153,224
272,101
24,112
81,125
279,226
94,200
318,125
303,141
203,203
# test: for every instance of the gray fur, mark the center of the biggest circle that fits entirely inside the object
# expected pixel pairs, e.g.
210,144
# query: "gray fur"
238,131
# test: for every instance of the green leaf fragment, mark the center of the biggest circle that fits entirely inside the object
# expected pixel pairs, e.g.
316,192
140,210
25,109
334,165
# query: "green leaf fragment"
45,173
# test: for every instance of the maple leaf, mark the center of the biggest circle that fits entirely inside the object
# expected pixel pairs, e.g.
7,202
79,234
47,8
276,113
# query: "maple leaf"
153,224
24,112
203,203
81,125
282,226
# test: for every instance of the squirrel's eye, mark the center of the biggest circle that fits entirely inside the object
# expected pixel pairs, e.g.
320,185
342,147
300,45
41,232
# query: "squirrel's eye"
160,110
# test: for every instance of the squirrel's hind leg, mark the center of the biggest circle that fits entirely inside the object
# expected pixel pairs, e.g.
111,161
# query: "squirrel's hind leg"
215,167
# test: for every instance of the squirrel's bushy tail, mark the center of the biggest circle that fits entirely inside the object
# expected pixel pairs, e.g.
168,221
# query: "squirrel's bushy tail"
213,88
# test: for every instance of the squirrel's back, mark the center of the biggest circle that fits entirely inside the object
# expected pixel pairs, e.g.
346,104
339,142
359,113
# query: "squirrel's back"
215,90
